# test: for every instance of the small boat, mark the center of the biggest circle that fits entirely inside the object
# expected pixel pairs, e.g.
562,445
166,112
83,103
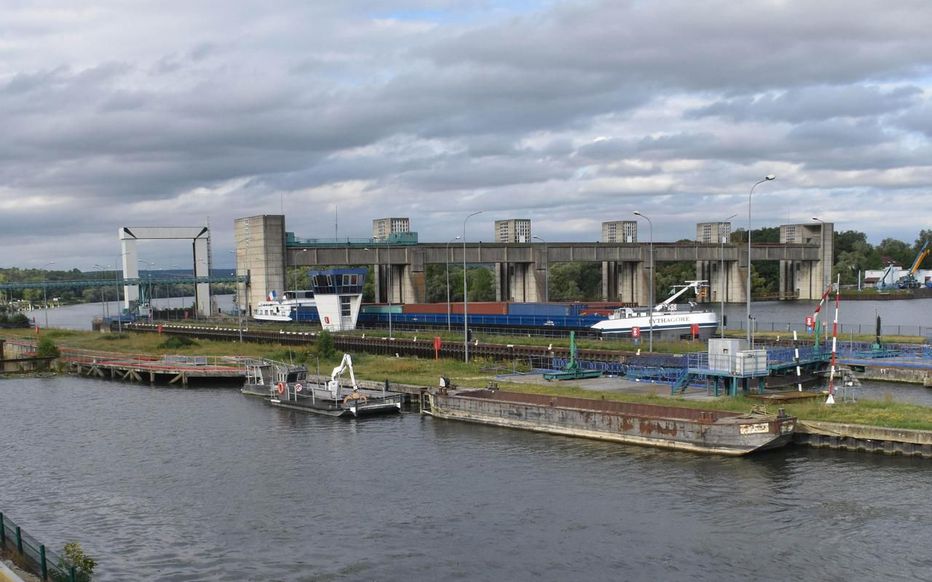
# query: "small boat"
287,386
289,307
669,319
670,427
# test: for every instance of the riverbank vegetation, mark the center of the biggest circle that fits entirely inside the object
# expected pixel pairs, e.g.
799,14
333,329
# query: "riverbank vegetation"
477,374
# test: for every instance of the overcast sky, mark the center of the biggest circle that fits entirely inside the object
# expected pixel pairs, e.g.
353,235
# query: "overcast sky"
184,113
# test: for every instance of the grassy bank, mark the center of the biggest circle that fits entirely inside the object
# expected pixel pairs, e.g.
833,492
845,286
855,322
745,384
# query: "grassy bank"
478,373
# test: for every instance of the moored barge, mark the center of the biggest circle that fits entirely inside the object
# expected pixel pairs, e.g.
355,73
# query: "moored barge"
688,429
287,386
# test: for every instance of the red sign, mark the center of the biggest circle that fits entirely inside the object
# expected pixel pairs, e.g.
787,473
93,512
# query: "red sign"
437,344
635,332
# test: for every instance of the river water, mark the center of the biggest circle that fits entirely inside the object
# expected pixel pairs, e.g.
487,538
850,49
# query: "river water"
175,484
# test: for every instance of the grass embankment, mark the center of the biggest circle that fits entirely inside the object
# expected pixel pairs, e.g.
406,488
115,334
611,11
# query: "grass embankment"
477,374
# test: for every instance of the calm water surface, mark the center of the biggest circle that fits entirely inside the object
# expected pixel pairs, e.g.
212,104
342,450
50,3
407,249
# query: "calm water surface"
173,484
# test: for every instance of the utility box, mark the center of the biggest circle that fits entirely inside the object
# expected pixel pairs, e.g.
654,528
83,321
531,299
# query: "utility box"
723,353
751,363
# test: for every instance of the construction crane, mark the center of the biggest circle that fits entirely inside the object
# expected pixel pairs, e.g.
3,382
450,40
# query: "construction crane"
909,281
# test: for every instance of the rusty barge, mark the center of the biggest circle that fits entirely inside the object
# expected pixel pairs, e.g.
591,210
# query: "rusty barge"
688,429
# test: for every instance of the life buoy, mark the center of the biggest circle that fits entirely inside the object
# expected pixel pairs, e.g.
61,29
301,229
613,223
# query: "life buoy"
281,387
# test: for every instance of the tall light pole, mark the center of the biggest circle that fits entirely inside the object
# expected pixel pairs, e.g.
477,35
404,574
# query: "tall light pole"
721,271
45,293
449,328
390,289
466,294
822,250
103,301
766,178
650,299
546,271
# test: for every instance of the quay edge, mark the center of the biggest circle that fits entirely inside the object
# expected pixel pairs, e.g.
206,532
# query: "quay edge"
864,438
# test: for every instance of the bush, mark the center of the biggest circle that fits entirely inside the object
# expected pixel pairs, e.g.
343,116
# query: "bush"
325,347
47,348
75,556
177,342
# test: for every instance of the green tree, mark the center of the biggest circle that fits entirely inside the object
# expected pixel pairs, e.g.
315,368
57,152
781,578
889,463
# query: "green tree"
325,346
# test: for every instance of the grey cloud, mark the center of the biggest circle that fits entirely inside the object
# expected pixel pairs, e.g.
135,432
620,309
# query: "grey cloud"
813,104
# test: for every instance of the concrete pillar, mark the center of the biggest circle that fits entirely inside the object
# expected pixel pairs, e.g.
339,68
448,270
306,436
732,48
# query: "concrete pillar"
736,282
807,280
609,280
501,281
260,253
519,282
413,285
642,284
628,282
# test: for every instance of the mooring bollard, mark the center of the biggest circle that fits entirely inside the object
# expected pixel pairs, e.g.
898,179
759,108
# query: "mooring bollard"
42,563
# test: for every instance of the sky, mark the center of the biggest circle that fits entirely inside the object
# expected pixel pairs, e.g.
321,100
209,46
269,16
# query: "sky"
191,113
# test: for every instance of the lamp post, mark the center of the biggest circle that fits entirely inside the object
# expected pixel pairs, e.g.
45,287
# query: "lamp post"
103,302
650,299
822,249
390,289
448,281
466,294
721,271
239,298
546,270
45,293
766,178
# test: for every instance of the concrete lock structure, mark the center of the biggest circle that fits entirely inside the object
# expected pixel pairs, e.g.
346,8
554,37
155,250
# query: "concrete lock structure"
264,252
200,237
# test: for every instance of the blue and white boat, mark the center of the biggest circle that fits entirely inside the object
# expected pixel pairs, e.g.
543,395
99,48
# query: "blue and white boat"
292,306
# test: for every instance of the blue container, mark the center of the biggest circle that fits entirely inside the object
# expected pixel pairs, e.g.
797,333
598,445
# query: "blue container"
539,309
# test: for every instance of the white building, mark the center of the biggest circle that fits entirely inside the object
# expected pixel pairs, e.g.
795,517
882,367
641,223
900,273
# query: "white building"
620,231
383,227
713,232
514,230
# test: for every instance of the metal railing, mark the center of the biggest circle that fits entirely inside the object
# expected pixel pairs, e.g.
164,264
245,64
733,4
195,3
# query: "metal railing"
843,328
34,556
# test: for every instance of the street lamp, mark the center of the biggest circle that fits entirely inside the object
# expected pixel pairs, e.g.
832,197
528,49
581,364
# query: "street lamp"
45,293
650,299
766,178
546,271
104,303
822,250
721,271
448,281
390,289
466,293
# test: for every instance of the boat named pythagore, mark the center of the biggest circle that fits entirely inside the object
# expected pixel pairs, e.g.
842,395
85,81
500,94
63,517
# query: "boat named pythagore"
669,319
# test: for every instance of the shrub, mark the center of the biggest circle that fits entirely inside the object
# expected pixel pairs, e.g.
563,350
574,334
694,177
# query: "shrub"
75,556
325,347
47,348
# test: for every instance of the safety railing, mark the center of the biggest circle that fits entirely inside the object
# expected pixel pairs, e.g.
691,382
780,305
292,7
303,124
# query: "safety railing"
35,557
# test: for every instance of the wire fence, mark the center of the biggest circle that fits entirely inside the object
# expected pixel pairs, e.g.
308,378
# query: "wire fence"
35,557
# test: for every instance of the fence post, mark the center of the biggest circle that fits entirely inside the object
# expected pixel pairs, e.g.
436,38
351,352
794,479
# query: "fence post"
42,563
2,531
19,540
73,574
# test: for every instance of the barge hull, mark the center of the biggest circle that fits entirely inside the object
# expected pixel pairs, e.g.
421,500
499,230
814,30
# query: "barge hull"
657,426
